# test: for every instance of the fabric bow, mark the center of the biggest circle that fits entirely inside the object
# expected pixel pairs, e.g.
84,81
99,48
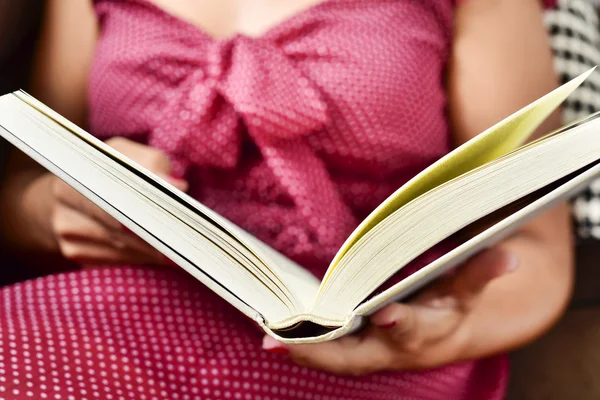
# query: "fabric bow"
239,78
252,81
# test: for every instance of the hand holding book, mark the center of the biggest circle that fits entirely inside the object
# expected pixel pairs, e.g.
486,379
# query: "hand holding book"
85,233
490,185
429,331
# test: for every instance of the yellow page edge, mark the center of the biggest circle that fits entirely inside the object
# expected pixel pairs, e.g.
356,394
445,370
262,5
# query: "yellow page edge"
494,142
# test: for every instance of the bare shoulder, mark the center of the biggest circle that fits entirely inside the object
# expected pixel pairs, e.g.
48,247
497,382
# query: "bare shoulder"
501,61
64,55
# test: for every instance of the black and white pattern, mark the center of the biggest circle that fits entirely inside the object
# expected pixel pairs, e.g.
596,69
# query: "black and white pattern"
574,27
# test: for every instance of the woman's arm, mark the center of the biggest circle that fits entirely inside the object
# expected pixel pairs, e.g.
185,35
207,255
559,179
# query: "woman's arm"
59,79
501,62
65,52
42,214
505,296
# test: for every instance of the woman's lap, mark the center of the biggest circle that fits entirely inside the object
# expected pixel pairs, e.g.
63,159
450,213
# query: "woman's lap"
128,333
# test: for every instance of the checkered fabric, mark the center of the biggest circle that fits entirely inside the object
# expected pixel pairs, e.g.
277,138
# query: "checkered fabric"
574,26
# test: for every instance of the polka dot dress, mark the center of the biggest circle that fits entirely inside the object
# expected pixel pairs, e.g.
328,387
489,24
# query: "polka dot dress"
295,135
143,334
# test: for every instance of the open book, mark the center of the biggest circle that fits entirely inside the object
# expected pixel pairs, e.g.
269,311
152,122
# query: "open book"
479,193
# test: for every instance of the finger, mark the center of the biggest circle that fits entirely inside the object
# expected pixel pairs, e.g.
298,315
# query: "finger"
178,183
71,198
153,159
71,225
129,241
91,253
479,271
410,327
148,157
397,323
394,315
350,355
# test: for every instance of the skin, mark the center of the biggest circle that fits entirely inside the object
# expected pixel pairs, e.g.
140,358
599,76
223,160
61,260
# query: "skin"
498,301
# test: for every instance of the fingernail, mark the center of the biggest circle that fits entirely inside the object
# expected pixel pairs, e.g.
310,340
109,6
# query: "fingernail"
181,185
176,181
280,351
179,181
273,346
177,178
387,325
513,262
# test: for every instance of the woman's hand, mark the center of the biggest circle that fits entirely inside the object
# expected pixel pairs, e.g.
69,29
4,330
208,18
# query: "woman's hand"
88,235
430,331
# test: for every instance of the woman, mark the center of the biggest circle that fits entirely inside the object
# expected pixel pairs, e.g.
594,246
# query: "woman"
293,120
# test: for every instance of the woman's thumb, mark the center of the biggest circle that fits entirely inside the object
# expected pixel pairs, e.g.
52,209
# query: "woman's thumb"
480,270
178,183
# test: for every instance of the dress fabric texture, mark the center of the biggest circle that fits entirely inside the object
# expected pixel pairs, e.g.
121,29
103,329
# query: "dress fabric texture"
294,135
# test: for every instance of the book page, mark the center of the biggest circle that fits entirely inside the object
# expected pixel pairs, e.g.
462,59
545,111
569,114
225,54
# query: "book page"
483,238
450,207
501,139
298,283
166,223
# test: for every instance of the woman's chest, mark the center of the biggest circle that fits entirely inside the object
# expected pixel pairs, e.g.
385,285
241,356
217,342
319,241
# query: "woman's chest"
363,80
225,18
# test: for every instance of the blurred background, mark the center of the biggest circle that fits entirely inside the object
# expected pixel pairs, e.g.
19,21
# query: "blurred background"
19,29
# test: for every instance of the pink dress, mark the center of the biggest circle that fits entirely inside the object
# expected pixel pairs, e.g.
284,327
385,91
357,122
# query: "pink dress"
296,136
